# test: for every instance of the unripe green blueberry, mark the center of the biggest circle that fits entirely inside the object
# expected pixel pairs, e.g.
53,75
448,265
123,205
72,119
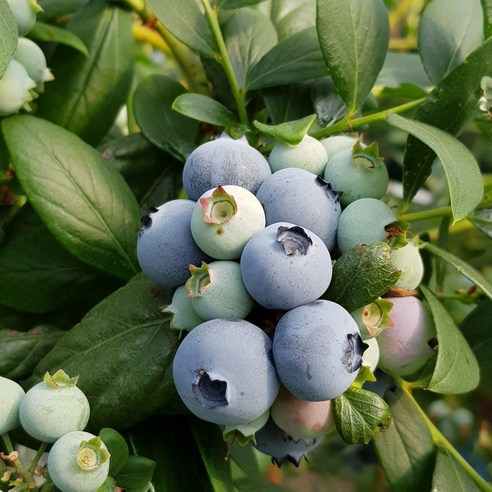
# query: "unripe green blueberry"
12,394
370,357
408,260
337,143
184,316
15,89
309,155
25,13
78,462
54,407
404,347
32,58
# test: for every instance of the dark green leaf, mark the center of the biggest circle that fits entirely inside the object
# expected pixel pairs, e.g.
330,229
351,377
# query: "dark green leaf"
256,484
136,473
117,447
291,132
361,275
55,8
449,30
295,59
450,475
287,103
88,91
461,169
481,218
248,36
406,450
456,368
450,106
122,350
205,109
21,351
185,21
8,35
402,68
213,450
476,329
50,33
327,103
169,130
84,202
235,4
291,17
354,38
462,266
246,459
360,415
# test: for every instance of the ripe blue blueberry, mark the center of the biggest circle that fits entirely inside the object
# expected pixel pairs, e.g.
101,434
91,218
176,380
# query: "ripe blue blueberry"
284,266
224,161
165,246
317,349
224,373
302,198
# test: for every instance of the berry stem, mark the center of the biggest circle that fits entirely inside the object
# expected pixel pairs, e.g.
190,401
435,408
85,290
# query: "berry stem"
19,467
223,59
348,124
426,214
37,457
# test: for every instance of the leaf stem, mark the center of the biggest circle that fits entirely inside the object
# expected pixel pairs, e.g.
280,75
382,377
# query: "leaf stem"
223,59
349,124
426,214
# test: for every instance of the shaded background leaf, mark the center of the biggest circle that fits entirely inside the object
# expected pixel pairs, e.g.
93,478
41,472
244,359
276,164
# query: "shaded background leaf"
8,35
450,475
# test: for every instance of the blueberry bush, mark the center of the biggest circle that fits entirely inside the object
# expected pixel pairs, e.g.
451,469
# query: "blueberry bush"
245,245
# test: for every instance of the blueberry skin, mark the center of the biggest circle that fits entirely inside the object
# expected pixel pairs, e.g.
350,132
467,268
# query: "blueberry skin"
317,350
300,197
224,161
277,280
224,372
165,246
281,446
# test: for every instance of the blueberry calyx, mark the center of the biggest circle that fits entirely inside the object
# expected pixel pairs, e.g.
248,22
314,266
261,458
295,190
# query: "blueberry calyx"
199,280
219,207
294,240
330,192
352,352
211,393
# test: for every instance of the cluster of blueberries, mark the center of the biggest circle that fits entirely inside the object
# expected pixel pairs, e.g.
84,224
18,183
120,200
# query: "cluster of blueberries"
250,255
26,71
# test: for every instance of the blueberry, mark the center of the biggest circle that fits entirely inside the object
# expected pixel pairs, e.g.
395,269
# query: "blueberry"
12,395
317,350
15,89
284,266
25,13
408,260
224,161
300,197
32,58
183,315
224,373
337,143
165,246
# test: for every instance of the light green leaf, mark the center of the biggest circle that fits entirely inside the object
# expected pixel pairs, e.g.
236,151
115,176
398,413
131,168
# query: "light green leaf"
136,473
406,450
205,109
295,59
402,68
235,4
8,35
117,447
169,130
487,21
462,266
291,17
291,132
360,415
185,21
461,169
84,202
50,33
456,368
449,30
354,37
450,475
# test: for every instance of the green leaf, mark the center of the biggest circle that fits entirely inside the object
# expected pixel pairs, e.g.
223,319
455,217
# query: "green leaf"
20,351
169,130
354,38
481,218
450,475
246,459
213,450
450,106
248,36
291,17
287,103
476,330
295,59
257,484
361,275
462,266
50,33
117,447
185,21
88,91
327,103
487,20
291,132
360,415
406,450
85,203
449,30
456,368
205,109
136,473
56,8
402,68
122,351
235,4
461,169
8,35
